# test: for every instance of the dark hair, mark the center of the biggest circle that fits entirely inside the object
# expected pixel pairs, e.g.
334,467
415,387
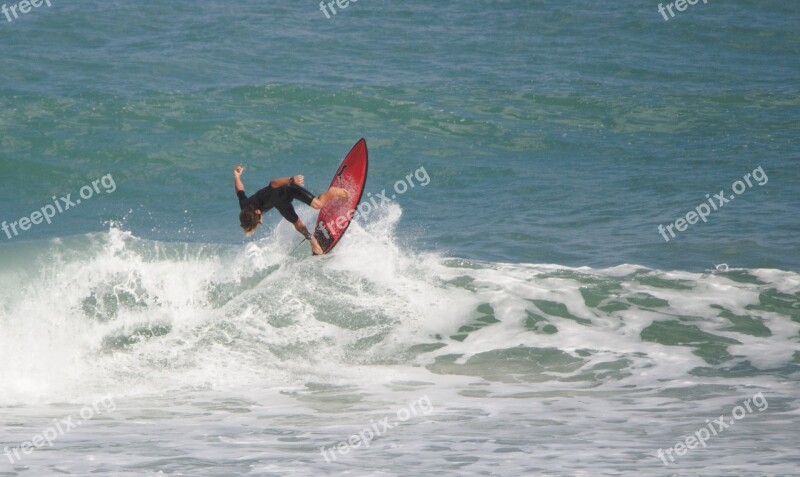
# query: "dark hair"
248,219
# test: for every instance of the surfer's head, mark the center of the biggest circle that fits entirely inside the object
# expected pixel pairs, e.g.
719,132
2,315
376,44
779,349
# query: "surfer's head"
249,219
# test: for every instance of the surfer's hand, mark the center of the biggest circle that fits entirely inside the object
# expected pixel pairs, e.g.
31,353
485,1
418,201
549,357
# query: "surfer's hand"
299,180
237,171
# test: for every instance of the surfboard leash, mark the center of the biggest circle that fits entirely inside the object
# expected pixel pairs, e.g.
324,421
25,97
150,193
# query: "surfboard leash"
301,243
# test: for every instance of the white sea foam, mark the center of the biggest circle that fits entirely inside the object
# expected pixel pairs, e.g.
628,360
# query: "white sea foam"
298,353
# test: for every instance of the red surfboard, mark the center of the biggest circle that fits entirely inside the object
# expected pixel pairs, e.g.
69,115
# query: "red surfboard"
335,216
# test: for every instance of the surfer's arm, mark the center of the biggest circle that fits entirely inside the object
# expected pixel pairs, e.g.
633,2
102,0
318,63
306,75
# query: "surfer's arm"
282,181
237,178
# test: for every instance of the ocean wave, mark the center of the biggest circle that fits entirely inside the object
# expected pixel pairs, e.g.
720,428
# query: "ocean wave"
112,312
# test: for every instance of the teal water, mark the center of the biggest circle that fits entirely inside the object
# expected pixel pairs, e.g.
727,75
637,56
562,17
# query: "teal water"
524,287
564,134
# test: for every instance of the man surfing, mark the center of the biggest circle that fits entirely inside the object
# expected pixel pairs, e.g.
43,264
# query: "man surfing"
279,194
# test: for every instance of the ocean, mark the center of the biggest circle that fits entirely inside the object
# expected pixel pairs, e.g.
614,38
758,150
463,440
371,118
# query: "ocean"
577,255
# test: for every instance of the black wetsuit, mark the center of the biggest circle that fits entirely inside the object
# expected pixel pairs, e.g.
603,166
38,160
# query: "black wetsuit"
278,197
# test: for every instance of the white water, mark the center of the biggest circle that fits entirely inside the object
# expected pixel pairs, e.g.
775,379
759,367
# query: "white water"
251,359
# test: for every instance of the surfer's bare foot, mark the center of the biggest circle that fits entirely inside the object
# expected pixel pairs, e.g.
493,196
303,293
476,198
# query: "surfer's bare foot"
315,248
339,192
333,192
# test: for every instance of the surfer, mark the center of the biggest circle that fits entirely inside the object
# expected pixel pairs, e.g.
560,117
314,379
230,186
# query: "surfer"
279,194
